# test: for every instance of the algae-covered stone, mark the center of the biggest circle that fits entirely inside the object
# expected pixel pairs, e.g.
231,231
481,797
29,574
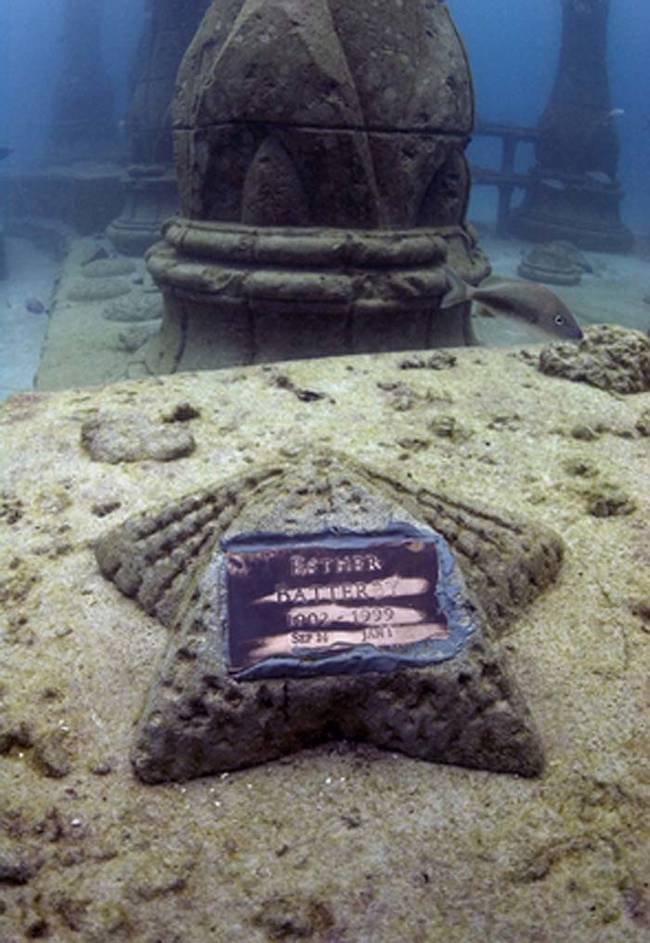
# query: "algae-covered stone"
400,396
14,735
146,306
132,437
108,268
106,919
329,236
642,424
11,509
439,360
448,427
580,468
182,412
155,876
585,433
608,500
133,338
293,917
17,866
97,289
609,357
51,754
17,580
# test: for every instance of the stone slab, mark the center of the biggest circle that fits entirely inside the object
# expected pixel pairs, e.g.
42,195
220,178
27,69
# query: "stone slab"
374,845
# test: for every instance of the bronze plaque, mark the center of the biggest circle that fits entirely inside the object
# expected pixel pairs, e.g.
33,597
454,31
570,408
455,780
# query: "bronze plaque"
321,594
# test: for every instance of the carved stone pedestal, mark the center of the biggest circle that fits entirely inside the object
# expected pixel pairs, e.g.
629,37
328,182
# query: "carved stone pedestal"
323,184
239,294
151,196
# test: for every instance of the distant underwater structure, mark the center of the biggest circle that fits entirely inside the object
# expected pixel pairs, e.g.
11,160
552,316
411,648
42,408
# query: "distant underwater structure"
83,123
150,189
574,193
323,184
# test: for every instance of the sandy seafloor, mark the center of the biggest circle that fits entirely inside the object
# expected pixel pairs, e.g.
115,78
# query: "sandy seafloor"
31,276
340,844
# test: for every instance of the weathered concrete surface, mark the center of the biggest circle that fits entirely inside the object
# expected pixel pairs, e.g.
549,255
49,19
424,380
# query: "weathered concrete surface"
465,709
340,843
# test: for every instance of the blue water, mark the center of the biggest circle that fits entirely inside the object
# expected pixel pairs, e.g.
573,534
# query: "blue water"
30,59
513,47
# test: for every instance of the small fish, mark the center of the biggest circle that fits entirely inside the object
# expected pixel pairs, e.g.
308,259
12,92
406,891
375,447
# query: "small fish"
35,306
554,184
599,176
5,152
615,113
529,302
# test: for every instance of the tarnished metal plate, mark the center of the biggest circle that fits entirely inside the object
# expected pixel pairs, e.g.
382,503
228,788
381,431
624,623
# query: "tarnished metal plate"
324,594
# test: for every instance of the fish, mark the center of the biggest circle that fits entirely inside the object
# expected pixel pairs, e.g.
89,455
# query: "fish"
5,152
539,308
599,176
554,184
608,116
35,306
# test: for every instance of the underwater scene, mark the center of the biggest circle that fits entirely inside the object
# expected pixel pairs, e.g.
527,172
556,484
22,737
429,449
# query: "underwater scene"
324,471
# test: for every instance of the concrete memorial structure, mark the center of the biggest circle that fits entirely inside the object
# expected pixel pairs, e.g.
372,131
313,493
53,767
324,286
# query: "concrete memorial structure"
150,190
576,195
323,184
323,600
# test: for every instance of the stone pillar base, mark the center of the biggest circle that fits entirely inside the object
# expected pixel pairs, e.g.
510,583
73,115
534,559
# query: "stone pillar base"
575,210
151,197
238,294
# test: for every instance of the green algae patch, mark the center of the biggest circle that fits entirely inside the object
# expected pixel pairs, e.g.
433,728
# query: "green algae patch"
609,500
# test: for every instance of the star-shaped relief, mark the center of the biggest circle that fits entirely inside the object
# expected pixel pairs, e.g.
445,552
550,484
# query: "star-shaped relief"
446,696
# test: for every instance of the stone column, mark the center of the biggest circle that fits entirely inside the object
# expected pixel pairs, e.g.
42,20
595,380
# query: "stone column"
574,193
151,194
83,121
323,183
